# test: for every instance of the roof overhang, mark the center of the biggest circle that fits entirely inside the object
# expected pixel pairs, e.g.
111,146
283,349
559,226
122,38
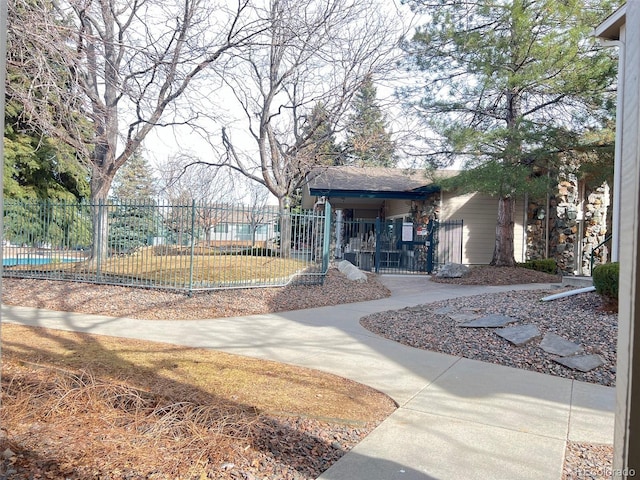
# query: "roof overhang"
419,194
610,28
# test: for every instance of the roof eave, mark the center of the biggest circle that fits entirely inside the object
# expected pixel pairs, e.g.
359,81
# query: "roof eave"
610,28
412,195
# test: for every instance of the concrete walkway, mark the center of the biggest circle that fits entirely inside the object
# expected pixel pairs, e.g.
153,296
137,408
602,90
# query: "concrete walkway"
457,418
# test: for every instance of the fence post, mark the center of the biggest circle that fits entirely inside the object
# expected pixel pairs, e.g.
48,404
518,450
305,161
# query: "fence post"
193,243
432,248
326,243
99,240
377,255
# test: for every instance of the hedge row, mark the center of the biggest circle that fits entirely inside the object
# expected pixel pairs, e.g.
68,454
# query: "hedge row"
546,265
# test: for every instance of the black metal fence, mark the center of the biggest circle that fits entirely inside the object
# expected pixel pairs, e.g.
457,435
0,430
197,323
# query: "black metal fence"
183,247
397,246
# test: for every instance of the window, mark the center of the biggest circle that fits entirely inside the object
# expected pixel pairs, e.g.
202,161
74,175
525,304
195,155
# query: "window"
221,228
243,229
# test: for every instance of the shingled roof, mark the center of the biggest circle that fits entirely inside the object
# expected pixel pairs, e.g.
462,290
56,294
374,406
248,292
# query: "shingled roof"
372,182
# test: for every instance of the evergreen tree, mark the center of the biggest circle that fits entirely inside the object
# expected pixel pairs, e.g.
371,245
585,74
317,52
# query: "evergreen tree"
321,147
368,141
135,181
510,88
40,173
134,217
37,167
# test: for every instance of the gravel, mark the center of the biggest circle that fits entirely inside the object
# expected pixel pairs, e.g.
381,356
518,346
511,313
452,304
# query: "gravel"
577,318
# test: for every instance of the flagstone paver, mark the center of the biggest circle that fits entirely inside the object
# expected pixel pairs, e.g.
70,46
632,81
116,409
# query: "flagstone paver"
519,334
557,345
584,363
490,321
463,317
522,334
444,310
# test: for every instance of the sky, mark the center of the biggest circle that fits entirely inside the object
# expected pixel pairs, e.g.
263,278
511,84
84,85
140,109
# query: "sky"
164,143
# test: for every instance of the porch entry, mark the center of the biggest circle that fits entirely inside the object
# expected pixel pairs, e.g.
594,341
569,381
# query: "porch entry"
398,246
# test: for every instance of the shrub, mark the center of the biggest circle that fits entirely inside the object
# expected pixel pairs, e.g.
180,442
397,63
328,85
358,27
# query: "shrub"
606,281
259,252
546,265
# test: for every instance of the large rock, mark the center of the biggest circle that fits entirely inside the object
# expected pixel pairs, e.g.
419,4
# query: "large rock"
452,270
352,272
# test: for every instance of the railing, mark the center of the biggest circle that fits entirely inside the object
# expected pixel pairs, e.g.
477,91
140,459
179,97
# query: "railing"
596,251
399,247
184,247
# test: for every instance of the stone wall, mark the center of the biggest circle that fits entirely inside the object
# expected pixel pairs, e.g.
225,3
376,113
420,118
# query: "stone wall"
576,219
563,222
595,227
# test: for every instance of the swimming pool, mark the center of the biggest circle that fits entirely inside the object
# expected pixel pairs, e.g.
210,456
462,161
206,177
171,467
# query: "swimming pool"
12,262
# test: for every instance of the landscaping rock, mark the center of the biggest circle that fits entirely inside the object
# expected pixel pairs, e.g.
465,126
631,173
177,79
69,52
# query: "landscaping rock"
443,310
452,270
463,317
520,334
352,272
584,363
557,345
490,321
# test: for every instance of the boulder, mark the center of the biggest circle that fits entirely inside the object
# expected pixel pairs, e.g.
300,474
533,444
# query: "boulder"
452,270
352,272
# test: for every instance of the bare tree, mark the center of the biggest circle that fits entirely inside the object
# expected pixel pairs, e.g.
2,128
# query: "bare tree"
103,73
213,190
312,53
258,213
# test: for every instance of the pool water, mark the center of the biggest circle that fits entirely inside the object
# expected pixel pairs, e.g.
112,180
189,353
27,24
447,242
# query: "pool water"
12,262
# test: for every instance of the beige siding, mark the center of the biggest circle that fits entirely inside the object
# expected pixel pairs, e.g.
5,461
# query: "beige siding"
394,208
479,214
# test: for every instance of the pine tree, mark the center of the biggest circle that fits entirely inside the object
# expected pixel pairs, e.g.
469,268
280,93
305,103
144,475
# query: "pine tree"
135,181
509,88
38,167
368,141
134,217
321,147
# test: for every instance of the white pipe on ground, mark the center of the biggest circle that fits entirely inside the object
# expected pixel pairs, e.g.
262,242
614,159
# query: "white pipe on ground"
569,293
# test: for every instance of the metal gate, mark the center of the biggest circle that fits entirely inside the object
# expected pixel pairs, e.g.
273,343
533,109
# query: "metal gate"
400,247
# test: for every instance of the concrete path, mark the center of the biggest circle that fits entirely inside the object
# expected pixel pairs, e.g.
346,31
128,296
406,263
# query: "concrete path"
457,418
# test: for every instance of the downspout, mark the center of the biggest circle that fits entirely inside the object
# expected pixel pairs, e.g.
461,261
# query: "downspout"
569,293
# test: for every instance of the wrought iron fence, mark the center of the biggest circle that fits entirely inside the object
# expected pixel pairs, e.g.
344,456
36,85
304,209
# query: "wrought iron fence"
398,246
184,247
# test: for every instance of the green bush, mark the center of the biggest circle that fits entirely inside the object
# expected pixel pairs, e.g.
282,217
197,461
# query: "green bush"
606,281
546,265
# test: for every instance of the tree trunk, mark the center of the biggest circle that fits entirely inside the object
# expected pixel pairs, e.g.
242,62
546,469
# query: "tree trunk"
285,228
100,186
503,253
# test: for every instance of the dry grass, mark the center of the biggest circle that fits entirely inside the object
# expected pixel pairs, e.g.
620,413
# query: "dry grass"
175,269
82,406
